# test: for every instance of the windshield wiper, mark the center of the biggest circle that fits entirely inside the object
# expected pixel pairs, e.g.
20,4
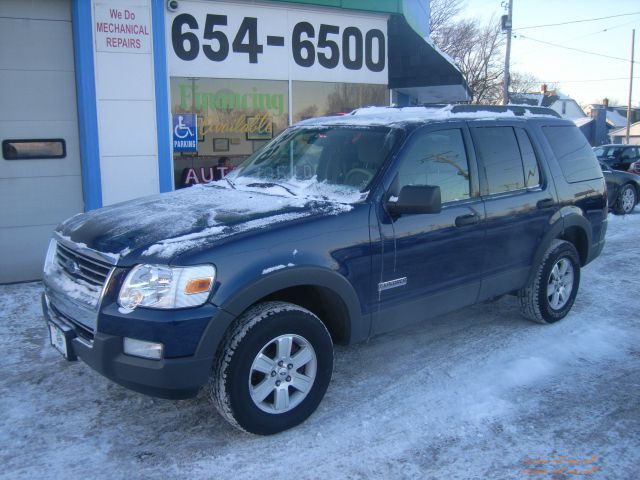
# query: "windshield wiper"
269,185
230,183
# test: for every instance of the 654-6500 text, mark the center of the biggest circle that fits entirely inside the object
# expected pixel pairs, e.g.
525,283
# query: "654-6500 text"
331,47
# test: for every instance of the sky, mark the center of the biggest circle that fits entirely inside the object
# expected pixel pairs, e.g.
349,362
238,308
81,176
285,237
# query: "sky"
586,78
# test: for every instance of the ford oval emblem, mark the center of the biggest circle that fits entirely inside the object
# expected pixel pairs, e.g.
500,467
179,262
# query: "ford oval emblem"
72,267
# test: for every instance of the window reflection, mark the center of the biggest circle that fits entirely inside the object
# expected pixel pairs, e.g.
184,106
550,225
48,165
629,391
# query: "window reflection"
234,117
437,158
314,99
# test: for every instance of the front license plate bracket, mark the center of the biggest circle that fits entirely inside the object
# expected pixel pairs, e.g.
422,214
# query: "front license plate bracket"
61,340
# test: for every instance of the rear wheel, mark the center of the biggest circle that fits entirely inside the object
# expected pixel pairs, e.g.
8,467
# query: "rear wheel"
626,201
274,368
553,289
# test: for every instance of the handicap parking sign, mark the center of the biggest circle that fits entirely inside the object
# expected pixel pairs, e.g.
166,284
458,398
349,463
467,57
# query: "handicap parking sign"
185,131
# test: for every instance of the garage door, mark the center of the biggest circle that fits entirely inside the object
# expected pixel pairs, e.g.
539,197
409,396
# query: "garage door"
40,176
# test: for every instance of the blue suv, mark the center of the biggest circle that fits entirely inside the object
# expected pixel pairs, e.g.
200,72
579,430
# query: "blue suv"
339,229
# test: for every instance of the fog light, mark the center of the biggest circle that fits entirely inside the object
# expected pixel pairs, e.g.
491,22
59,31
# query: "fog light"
141,348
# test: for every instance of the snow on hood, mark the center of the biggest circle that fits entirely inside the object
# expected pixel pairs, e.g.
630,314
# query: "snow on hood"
168,224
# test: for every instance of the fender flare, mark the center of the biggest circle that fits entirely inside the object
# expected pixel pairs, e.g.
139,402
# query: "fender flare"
557,230
357,327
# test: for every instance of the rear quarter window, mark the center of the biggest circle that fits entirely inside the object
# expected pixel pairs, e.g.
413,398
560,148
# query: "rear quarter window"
575,157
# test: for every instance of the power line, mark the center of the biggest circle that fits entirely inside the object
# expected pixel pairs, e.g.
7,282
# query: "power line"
602,30
591,80
578,21
573,49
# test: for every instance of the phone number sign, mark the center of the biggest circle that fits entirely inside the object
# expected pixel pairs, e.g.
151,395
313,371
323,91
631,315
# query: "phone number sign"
274,43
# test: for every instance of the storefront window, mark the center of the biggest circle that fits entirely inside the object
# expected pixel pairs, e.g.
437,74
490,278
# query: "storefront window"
313,99
218,123
234,119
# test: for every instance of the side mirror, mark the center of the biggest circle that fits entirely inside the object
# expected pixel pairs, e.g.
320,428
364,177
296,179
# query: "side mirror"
416,199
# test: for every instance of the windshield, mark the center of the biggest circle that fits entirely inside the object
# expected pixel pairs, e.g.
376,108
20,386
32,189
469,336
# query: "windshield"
325,161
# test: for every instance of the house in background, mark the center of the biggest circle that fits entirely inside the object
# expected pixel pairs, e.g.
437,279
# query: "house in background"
620,135
566,106
616,114
593,126
609,123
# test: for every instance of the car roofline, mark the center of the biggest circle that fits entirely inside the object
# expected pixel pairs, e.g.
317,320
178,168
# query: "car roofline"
399,116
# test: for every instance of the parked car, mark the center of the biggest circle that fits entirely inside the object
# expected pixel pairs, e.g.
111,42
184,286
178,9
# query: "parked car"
618,157
339,229
623,189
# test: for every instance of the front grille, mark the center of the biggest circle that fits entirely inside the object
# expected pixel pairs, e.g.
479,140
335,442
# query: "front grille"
81,267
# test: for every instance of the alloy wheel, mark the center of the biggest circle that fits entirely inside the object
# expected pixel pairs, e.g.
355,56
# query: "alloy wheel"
282,374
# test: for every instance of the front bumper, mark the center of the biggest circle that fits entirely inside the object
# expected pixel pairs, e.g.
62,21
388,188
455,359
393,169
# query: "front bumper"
167,378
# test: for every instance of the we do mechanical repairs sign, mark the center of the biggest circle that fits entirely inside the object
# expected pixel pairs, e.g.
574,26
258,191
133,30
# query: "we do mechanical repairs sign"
224,40
125,29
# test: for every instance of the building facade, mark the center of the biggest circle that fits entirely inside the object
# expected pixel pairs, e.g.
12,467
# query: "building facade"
104,101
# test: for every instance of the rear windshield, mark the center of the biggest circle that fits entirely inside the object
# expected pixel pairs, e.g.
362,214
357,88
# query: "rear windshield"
574,154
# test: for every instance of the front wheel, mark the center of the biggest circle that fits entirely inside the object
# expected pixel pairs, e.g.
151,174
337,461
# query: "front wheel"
273,369
626,201
553,289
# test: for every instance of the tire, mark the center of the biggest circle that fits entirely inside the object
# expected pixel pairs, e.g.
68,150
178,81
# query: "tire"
273,369
553,289
626,200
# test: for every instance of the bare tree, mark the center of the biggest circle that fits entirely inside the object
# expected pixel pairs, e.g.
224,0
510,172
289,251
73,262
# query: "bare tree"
524,82
477,50
441,13
348,96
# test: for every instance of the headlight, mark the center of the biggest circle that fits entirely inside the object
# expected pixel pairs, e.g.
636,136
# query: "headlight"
51,256
160,286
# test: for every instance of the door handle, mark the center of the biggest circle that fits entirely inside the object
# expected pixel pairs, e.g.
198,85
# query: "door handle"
466,220
545,203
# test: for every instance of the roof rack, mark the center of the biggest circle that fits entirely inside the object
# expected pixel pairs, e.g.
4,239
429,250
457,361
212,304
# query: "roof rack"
434,109
518,110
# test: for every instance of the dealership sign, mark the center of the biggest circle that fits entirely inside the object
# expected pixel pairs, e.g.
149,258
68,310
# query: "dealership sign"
215,39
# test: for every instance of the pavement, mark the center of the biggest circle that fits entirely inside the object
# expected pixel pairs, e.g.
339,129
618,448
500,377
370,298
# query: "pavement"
478,394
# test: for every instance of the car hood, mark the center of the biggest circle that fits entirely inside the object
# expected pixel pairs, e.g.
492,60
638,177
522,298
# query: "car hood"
162,226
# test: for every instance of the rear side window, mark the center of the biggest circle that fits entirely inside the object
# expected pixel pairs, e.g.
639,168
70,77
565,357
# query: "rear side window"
629,154
576,159
499,155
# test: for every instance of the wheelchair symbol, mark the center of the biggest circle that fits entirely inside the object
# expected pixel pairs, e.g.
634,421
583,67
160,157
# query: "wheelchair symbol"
181,130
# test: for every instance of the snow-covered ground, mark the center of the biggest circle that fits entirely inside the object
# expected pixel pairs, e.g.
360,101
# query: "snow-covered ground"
479,394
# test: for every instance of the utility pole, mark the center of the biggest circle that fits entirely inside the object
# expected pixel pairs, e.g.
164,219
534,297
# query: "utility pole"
507,24
633,43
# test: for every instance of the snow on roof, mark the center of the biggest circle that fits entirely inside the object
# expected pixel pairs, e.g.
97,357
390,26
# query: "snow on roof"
582,121
562,96
526,99
442,53
390,115
615,119
634,131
